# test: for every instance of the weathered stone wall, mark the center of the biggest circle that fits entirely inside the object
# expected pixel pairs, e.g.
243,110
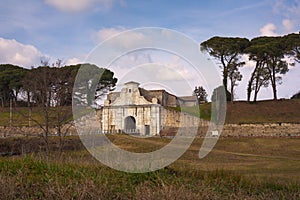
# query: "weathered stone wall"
170,100
113,118
34,130
256,130
250,130
173,119
264,130
229,130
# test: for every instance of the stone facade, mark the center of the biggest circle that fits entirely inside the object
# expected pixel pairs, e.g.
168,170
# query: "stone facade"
135,110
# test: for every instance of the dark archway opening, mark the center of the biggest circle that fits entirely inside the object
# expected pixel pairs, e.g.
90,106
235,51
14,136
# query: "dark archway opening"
130,124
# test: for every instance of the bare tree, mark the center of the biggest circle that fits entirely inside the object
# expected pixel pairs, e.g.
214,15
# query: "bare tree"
38,83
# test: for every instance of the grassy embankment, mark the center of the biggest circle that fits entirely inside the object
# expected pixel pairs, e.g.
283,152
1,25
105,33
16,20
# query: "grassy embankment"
240,112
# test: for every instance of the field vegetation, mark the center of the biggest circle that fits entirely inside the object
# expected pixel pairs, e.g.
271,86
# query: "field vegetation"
237,168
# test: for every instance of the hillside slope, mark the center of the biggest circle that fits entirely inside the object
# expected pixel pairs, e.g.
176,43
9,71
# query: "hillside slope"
282,111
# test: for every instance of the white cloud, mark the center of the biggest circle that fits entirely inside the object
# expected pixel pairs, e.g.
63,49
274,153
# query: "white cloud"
17,53
268,30
290,11
175,69
129,40
157,66
78,5
287,25
106,33
73,61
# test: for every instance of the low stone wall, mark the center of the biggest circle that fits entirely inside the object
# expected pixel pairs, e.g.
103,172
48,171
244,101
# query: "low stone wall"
172,120
245,130
263,130
6,131
229,130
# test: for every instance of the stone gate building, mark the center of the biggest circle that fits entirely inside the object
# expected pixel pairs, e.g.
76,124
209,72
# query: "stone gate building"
135,110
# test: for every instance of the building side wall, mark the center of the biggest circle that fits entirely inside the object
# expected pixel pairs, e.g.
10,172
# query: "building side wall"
175,119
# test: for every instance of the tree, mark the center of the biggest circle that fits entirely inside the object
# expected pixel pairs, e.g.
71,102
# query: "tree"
200,93
292,42
10,82
92,83
51,89
269,54
228,52
39,83
234,76
261,79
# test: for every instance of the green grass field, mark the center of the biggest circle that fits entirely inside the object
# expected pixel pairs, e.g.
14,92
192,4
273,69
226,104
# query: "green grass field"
237,168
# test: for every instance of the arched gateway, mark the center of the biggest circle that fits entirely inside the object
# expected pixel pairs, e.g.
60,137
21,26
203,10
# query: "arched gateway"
129,123
135,110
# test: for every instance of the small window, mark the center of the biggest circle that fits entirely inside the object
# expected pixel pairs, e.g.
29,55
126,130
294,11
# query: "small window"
129,90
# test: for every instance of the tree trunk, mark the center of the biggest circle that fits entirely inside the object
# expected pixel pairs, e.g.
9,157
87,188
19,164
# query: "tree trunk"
249,89
225,76
274,85
47,132
28,99
231,90
225,73
274,91
256,86
256,92
255,97
273,81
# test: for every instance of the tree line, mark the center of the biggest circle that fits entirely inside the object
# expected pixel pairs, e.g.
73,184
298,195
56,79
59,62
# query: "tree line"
50,88
272,57
49,84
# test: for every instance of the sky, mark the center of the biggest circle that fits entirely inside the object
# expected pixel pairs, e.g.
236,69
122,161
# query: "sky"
71,29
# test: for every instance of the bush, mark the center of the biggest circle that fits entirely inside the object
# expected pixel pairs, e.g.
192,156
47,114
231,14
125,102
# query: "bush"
296,96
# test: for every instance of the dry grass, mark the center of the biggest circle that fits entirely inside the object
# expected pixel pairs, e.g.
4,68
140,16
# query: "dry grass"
241,112
264,112
246,168
20,116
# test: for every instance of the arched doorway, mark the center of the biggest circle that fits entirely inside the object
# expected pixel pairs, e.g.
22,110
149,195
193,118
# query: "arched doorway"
130,124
